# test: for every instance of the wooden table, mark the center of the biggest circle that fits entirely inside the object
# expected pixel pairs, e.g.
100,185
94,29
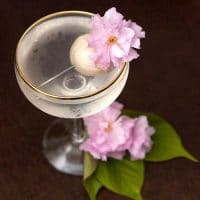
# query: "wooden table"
165,80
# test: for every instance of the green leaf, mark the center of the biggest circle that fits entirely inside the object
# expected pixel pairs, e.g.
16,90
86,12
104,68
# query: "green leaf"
124,177
167,143
92,186
90,165
91,183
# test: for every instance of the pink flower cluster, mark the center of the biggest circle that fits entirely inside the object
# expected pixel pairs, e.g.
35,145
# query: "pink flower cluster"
114,39
112,134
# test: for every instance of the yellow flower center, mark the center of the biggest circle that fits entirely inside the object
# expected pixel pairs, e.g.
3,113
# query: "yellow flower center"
112,40
108,128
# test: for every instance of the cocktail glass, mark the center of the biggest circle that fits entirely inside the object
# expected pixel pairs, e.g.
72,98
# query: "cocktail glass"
52,84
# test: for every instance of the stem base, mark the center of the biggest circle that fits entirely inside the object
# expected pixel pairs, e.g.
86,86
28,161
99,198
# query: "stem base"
60,147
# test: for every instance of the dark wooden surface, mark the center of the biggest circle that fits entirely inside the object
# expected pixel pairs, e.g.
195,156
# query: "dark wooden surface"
165,80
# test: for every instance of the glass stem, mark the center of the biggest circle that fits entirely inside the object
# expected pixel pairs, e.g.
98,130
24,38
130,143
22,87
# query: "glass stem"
77,131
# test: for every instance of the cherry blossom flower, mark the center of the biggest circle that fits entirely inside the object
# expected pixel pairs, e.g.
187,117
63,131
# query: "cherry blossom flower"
107,132
113,39
112,134
140,139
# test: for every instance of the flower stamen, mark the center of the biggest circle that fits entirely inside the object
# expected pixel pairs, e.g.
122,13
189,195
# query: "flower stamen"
108,128
112,40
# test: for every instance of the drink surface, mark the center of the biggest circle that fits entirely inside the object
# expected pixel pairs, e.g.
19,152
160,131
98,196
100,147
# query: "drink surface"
43,56
45,59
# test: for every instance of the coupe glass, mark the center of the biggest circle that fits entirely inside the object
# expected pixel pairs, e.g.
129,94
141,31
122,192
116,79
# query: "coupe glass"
50,82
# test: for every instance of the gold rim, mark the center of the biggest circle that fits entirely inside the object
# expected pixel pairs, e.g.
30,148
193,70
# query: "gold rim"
21,74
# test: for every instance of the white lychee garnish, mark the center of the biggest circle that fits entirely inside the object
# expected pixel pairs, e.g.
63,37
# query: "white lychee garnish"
80,56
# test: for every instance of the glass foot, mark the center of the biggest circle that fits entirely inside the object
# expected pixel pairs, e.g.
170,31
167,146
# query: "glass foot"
61,146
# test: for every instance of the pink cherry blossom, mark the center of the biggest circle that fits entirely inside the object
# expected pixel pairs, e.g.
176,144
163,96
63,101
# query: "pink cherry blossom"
112,134
114,39
141,142
107,132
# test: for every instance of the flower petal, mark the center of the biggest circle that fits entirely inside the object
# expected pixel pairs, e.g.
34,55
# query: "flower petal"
132,55
117,51
136,43
117,155
112,18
